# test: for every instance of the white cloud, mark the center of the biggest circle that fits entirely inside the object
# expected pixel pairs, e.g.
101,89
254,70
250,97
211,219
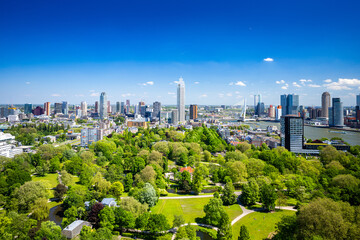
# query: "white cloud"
171,93
55,95
127,94
229,94
221,95
147,83
203,96
94,94
284,87
268,59
296,84
280,82
196,82
231,83
343,84
303,81
328,80
240,83
237,92
314,85
27,83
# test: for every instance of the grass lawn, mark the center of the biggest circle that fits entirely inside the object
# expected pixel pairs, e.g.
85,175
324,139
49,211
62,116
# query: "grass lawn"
51,178
190,208
260,224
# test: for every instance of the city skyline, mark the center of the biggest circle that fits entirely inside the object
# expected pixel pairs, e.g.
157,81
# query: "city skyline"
224,52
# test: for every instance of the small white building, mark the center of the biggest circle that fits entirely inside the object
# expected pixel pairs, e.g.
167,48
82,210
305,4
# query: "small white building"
110,202
74,229
7,145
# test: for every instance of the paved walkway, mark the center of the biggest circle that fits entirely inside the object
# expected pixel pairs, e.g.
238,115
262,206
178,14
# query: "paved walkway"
195,196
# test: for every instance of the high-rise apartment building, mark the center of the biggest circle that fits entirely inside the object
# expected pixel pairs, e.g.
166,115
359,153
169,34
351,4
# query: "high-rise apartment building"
96,106
117,107
141,108
47,108
103,106
278,113
27,108
289,104
292,133
358,100
257,104
174,116
336,113
65,108
108,107
193,111
90,135
156,110
271,112
122,108
325,104
83,109
58,108
181,100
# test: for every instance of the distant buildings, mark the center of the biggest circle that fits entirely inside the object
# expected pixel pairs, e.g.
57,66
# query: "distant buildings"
27,108
108,107
65,108
122,108
181,100
58,108
278,113
174,116
83,109
156,110
358,100
336,113
96,107
289,104
7,147
292,133
103,106
38,111
117,107
90,135
325,104
47,108
259,106
193,111
271,112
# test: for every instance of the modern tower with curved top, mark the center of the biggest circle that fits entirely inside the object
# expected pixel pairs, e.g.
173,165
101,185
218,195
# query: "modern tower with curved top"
103,106
325,104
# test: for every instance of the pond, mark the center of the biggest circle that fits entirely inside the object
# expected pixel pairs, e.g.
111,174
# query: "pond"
56,214
203,235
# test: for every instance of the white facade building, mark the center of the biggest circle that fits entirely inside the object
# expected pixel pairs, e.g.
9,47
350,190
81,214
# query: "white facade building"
181,100
90,135
7,147
83,109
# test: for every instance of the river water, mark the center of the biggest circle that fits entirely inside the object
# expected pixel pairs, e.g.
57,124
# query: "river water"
353,138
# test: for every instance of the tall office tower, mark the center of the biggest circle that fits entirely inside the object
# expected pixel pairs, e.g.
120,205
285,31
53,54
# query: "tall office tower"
83,109
336,113
289,104
193,111
257,104
127,109
117,110
47,108
271,112
174,116
157,110
122,108
278,113
108,107
96,106
141,108
58,108
27,108
292,133
358,100
103,106
65,107
325,104
181,100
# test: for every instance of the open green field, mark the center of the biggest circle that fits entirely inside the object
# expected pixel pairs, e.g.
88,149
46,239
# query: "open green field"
190,208
260,224
51,178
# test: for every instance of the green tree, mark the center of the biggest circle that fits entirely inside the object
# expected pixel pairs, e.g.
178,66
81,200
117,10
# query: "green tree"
250,193
148,195
229,196
40,209
185,181
213,212
286,228
157,223
124,219
268,197
178,220
107,218
244,233
133,206
225,231
197,185
28,193
59,192
117,189
49,230
237,171
66,178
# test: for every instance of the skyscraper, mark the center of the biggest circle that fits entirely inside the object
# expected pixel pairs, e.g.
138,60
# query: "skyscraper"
118,107
65,107
27,108
358,100
325,104
292,133
174,116
257,104
336,113
181,100
122,109
58,108
96,106
289,104
103,106
108,107
47,108
193,111
271,112
83,109
278,113
156,110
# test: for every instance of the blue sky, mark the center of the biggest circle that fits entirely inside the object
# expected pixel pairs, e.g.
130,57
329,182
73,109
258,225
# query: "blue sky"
73,50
